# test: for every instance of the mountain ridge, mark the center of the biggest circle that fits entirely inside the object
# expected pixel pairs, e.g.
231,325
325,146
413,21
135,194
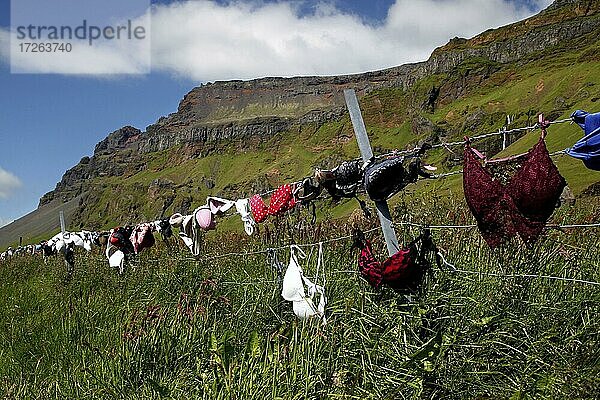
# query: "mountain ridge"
222,103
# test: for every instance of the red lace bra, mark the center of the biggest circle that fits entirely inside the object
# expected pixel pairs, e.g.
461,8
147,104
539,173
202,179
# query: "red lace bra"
505,206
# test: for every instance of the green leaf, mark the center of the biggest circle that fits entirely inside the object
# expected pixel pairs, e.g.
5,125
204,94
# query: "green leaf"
253,345
214,347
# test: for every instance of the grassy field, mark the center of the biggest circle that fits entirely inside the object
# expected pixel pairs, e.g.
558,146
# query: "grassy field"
174,327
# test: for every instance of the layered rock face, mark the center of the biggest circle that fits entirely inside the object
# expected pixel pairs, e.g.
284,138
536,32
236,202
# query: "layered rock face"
261,108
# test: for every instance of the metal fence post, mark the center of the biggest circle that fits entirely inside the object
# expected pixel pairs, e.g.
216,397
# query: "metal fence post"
383,211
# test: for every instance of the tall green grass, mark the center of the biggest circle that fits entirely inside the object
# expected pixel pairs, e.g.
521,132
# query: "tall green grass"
175,327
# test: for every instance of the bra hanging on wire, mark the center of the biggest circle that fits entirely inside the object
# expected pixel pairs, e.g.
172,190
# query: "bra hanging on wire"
300,290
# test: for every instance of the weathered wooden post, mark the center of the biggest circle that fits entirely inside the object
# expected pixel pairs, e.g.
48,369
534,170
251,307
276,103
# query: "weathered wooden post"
383,211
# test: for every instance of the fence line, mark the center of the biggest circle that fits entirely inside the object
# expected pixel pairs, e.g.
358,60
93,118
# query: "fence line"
452,268
530,276
477,137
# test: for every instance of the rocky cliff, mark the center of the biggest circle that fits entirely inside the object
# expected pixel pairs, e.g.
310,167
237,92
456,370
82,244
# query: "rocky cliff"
224,110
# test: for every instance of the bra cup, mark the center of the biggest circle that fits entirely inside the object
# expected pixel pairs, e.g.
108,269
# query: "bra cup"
116,259
242,207
293,288
479,185
535,190
282,200
77,240
398,267
59,245
537,186
347,175
142,238
385,178
218,205
485,198
369,267
305,308
186,225
258,208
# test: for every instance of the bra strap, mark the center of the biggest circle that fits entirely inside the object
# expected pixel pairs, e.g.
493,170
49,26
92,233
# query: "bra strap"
475,151
543,123
293,255
479,154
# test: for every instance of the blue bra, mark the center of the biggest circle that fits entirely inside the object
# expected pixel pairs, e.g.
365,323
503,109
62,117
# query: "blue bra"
587,148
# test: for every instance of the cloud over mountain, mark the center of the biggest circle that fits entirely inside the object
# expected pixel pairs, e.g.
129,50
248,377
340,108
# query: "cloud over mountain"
206,41
8,183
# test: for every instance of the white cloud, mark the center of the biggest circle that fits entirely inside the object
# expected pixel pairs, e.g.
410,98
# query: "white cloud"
541,4
8,183
4,222
204,41
104,57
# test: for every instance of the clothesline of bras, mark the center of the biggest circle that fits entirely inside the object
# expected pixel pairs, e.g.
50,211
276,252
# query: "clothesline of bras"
435,176
346,237
310,308
205,214
451,173
447,145
340,238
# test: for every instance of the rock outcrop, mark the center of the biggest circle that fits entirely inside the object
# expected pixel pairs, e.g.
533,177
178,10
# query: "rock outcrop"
117,140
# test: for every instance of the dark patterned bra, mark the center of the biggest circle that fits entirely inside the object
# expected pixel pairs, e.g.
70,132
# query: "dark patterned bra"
512,196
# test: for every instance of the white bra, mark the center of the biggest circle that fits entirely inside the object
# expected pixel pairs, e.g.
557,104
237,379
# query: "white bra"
242,207
294,283
116,258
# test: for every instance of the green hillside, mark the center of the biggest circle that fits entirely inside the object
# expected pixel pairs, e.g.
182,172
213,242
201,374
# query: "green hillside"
556,84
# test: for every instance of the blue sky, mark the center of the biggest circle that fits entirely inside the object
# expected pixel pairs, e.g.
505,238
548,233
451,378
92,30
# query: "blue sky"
49,121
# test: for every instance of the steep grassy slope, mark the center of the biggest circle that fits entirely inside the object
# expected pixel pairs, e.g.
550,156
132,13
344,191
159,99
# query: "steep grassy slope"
39,225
